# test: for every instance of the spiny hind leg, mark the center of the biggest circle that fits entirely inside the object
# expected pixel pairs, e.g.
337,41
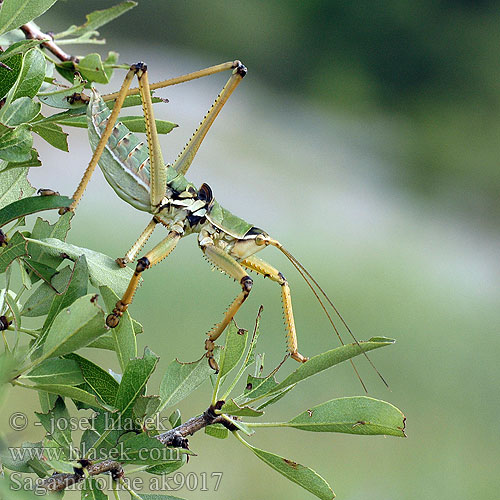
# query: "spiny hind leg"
265,269
157,254
228,265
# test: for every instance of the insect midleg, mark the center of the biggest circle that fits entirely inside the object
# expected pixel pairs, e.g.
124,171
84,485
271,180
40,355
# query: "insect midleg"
136,247
184,160
265,269
102,142
228,265
157,168
155,255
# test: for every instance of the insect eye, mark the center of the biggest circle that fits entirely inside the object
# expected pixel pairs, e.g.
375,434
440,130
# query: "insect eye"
205,193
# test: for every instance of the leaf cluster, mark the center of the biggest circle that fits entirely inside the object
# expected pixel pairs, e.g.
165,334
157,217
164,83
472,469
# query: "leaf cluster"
63,293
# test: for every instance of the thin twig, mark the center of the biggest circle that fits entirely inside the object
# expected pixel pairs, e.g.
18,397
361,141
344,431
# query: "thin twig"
33,33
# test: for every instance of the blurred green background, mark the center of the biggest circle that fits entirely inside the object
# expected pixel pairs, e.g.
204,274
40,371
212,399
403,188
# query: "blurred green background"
365,138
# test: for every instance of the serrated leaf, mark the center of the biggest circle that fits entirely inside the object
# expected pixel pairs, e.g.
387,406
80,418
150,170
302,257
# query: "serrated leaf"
354,415
92,491
97,19
53,134
236,341
134,380
8,77
39,302
142,449
77,287
17,247
73,328
175,418
180,379
56,371
92,69
146,406
69,391
99,380
31,205
232,408
103,270
217,431
125,344
61,98
166,468
133,123
57,424
300,474
32,74
331,358
22,110
15,143
15,13
20,47
34,161
14,186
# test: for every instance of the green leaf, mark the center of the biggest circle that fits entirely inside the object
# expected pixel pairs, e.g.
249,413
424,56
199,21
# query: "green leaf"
77,287
15,13
20,47
31,205
236,341
276,397
125,344
175,418
69,391
15,143
331,358
217,431
22,110
56,371
133,123
53,134
73,328
142,449
61,98
354,415
92,69
32,74
134,380
39,302
300,474
103,270
257,387
103,342
92,491
97,19
57,424
14,186
232,408
17,247
166,468
8,77
42,229
34,161
146,406
181,379
99,380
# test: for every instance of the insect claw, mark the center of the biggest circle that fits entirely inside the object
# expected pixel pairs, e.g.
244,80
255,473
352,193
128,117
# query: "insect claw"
113,320
122,262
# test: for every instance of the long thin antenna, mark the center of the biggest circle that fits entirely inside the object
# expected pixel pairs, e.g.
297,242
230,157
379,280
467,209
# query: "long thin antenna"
304,272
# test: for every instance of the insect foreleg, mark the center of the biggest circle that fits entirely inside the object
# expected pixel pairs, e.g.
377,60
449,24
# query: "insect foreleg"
136,247
157,254
265,269
228,265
